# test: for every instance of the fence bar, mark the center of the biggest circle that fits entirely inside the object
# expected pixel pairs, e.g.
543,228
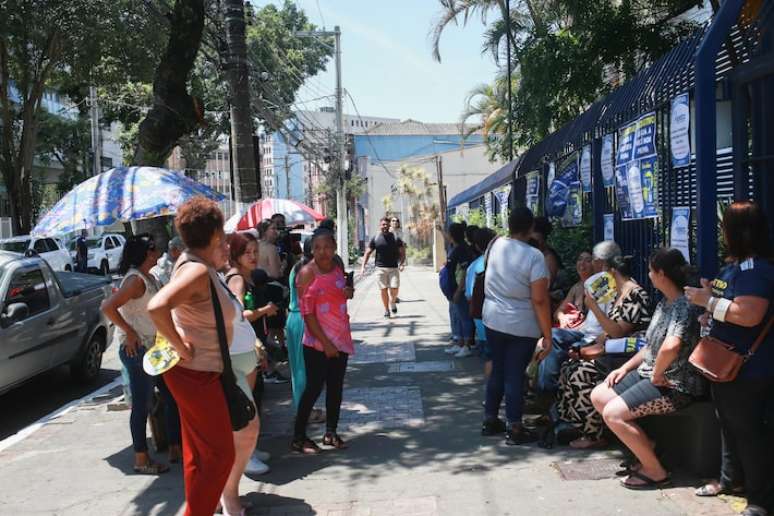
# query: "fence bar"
706,145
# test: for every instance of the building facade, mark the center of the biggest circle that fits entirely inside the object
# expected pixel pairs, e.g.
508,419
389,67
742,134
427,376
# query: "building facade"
437,149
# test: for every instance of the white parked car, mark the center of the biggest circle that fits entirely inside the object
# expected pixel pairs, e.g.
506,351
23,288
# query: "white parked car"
50,249
104,252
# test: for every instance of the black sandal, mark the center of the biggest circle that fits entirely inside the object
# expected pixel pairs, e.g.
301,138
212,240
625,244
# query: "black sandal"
648,483
521,436
492,427
305,446
333,439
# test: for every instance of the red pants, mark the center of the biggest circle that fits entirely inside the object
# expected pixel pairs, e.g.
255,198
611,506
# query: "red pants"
208,443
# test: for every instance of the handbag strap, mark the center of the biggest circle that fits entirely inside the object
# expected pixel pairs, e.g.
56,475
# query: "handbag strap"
488,249
220,324
760,338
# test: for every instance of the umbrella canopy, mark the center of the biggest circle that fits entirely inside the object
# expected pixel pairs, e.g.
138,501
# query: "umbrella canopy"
120,195
294,212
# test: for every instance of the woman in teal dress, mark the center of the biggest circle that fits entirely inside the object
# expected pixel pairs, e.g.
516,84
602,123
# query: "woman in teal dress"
294,333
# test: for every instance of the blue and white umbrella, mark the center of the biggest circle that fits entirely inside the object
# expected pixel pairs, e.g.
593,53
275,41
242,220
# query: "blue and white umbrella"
119,195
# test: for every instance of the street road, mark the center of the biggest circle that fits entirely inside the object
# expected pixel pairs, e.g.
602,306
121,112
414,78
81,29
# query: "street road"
48,392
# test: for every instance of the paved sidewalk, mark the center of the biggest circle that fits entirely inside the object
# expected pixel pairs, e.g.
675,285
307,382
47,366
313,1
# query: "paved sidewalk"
411,415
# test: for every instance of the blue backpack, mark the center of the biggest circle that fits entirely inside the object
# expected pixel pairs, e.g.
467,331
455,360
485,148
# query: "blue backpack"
447,281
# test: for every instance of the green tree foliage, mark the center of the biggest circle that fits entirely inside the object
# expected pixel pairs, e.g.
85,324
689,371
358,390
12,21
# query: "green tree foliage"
50,44
566,54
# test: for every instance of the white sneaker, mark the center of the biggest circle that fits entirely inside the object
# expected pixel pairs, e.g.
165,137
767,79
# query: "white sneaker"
453,349
256,467
261,455
464,352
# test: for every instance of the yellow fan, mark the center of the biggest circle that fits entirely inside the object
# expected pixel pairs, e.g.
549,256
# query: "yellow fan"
160,358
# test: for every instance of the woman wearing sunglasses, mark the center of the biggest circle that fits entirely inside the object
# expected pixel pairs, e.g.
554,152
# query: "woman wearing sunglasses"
135,332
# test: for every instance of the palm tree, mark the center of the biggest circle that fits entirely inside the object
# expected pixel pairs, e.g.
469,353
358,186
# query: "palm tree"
526,16
486,110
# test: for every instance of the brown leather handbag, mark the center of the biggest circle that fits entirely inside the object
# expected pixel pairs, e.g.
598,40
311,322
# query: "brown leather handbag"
718,361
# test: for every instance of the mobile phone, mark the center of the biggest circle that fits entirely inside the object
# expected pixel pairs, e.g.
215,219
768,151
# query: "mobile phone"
350,280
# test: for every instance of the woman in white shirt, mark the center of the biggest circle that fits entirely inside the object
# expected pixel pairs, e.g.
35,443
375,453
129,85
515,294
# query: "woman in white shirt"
517,311
135,333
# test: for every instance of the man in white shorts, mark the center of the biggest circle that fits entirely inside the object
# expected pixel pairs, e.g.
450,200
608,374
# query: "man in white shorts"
390,260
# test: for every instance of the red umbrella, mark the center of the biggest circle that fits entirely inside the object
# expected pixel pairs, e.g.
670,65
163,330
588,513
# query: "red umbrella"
294,212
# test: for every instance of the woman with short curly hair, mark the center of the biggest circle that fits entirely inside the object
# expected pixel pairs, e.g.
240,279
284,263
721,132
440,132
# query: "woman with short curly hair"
183,312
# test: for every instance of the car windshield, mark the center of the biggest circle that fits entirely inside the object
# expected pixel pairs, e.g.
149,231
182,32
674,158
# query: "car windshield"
17,246
93,243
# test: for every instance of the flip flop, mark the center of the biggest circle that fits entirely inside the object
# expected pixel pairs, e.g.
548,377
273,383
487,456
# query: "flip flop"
715,488
648,485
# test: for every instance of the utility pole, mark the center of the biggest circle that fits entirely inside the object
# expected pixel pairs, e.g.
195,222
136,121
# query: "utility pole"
246,187
96,136
441,189
508,38
342,229
342,220
287,176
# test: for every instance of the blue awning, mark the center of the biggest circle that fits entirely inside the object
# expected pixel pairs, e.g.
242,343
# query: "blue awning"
492,182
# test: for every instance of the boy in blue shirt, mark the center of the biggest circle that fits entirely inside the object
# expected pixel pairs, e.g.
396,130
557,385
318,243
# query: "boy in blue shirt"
481,238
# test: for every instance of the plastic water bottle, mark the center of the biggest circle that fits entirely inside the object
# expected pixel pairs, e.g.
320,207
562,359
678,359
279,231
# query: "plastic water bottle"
249,301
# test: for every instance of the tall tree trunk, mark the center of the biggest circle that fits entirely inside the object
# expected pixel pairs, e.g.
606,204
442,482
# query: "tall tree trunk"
237,75
175,113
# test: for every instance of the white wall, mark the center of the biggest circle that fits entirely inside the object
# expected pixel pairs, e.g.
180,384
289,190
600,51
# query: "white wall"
461,170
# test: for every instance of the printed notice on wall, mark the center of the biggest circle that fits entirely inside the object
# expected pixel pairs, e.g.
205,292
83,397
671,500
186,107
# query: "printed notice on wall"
606,161
609,224
679,131
585,168
636,169
680,231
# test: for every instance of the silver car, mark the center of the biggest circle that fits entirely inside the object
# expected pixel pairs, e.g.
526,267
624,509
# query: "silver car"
48,319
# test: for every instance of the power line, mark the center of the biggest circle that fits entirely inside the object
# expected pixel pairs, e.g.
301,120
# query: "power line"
368,137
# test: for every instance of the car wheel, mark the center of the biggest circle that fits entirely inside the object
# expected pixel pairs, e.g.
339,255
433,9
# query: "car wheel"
88,364
104,268
68,268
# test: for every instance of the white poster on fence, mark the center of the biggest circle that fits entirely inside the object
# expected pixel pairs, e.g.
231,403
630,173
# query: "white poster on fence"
680,231
585,168
606,161
503,196
489,210
679,131
533,192
609,224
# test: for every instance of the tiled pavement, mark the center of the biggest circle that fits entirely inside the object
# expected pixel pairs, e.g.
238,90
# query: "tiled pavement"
364,409
412,423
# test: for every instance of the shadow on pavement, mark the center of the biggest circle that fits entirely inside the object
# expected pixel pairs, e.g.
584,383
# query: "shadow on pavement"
42,395
262,503
163,495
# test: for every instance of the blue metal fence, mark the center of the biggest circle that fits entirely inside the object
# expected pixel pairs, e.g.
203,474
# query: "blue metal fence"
652,90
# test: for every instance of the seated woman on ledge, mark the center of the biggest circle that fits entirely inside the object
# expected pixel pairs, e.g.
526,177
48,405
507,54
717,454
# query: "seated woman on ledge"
658,379
628,315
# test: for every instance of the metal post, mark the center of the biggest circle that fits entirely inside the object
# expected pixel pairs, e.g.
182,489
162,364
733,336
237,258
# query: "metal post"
287,176
706,145
597,191
508,37
341,193
96,140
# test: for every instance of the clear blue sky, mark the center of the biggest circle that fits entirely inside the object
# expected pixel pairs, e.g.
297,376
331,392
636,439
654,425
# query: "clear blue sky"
387,58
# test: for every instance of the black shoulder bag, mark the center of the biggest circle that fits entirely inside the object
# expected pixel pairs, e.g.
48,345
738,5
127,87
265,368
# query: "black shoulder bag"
241,409
476,307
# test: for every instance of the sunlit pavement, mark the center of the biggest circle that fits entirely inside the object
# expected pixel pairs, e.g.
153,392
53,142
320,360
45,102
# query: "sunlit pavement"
411,415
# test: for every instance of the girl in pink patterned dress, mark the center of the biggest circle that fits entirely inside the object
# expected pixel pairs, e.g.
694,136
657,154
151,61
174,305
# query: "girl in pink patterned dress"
327,339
